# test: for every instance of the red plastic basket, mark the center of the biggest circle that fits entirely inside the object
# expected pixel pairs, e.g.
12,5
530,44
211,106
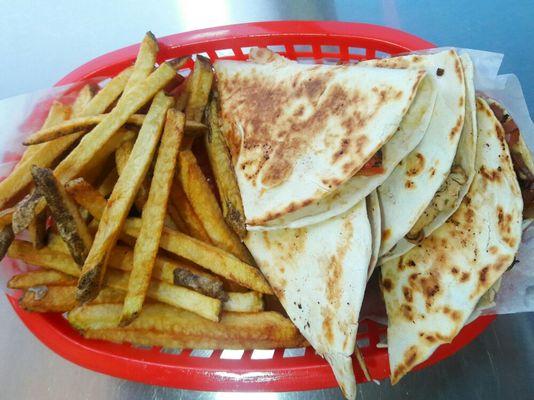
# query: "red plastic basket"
257,370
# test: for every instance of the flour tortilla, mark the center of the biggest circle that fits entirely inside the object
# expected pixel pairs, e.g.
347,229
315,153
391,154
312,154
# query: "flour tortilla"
409,189
431,291
298,132
375,221
410,132
319,275
464,158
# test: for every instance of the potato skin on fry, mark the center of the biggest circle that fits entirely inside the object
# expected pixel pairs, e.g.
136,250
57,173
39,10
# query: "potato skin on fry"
25,211
39,278
70,224
6,238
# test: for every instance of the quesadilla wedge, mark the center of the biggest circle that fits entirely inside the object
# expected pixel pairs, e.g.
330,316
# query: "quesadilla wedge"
431,291
375,221
297,132
409,189
451,192
319,275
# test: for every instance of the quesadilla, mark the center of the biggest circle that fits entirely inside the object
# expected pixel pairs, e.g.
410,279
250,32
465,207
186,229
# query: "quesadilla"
297,132
407,192
319,275
431,291
375,220
453,189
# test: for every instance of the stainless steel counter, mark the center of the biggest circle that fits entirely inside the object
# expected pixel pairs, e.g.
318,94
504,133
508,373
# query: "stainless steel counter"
42,41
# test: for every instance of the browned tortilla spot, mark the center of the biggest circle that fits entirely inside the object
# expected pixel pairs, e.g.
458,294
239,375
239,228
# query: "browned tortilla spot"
387,284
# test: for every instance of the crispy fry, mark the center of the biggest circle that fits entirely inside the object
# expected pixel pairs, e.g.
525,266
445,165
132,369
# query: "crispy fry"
121,159
206,207
40,278
153,217
144,63
122,197
6,216
186,211
176,296
58,113
198,89
84,97
107,185
37,230
63,298
201,282
221,165
25,212
6,238
244,302
68,220
211,258
175,217
162,325
48,153
95,141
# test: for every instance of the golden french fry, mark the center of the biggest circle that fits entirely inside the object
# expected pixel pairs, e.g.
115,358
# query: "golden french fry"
108,183
25,212
58,113
63,298
206,207
221,165
40,278
69,222
210,257
144,63
6,238
37,229
95,141
84,97
198,89
153,217
186,211
162,325
121,159
176,296
175,217
48,153
123,194
244,302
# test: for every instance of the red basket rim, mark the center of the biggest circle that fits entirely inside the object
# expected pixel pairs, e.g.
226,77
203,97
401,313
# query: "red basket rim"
127,362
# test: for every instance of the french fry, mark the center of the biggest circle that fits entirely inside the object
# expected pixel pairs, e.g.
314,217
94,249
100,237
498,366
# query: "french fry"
25,212
37,230
243,302
144,63
162,325
175,217
6,238
40,278
122,154
221,165
48,153
176,296
123,194
153,217
206,207
186,211
201,282
82,100
107,185
63,298
95,141
58,113
198,89
210,257
68,220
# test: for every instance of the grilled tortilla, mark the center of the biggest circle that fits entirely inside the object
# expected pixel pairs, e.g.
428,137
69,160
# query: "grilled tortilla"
298,132
451,192
431,291
410,188
319,275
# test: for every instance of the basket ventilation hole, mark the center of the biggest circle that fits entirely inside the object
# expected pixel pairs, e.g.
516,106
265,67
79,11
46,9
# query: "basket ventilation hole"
303,48
185,72
382,54
246,50
170,351
363,342
225,53
262,354
330,49
232,354
201,353
204,54
141,346
305,60
299,352
357,51
331,61
277,48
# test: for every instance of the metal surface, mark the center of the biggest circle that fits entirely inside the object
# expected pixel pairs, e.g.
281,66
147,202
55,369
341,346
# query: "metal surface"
42,41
